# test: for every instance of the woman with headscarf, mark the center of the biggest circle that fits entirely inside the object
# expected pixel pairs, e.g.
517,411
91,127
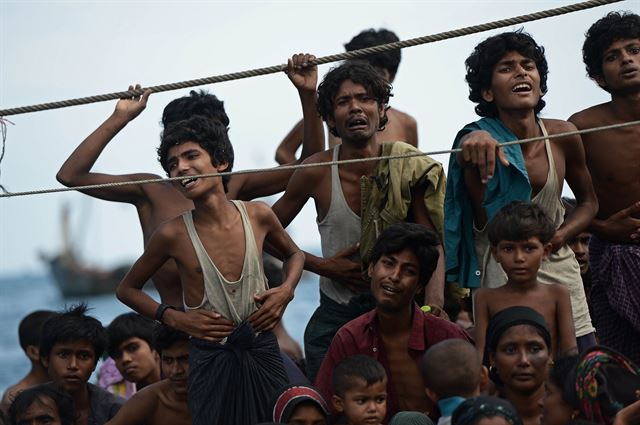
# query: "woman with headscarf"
484,410
518,346
593,387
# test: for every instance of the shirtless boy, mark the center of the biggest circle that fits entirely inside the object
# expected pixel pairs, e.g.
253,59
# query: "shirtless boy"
611,53
164,402
520,235
401,126
159,202
351,99
29,335
217,247
507,76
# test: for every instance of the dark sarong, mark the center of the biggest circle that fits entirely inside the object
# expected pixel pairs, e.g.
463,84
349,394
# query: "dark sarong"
234,383
328,318
615,295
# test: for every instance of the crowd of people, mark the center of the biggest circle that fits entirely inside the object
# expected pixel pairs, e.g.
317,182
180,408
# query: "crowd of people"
550,285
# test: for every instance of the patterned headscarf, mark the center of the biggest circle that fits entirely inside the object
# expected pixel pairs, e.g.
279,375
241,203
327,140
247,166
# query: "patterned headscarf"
292,396
475,408
605,382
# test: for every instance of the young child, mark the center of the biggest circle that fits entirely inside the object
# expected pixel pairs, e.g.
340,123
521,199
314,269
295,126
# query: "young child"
301,405
42,404
360,390
452,371
70,346
131,347
164,402
29,336
217,247
519,235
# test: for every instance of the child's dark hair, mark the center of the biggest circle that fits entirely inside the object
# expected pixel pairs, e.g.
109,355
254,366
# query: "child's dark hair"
518,221
127,326
358,367
389,60
73,325
487,54
197,103
403,235
613,27
30,327
561,373
360,73
26,398
452,368
210,135
165,336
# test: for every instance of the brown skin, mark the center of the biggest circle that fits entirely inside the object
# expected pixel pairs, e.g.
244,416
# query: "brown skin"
137,362
516,110
363,404
613,155
521,261
351,101
220,229
164,402
43,411
395,280
400,127
37,375
159,202
522,360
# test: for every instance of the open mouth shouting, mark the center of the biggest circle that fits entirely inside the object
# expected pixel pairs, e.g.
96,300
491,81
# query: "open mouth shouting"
187,183
357,123
521,88
389,290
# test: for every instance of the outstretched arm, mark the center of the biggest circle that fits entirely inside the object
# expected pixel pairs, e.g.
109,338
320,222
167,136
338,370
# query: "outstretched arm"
286,150
76,171
304,77
480,150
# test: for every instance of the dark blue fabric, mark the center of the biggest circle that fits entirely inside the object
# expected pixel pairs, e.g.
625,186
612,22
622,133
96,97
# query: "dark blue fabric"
235,382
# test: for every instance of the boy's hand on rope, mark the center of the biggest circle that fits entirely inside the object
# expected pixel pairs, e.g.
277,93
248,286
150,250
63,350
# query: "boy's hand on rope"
302,73
480,149
129,108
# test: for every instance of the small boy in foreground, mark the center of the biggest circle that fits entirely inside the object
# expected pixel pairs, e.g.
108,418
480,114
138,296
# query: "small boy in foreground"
520,235
164,402
452,371
70,346
360,390
29,335
131,347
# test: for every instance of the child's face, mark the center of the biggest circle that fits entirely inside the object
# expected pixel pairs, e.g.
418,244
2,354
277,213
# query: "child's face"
70,364
521,259
580,246
307,413
364,404
42,411
135,360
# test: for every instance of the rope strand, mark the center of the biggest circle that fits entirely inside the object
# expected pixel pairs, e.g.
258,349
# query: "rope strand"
312,165
322,60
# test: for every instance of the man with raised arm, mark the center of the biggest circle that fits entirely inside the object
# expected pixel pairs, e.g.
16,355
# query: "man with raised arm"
352,100
159,202
507,77
611,53
401,126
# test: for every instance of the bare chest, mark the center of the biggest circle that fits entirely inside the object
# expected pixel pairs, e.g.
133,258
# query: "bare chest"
407,379
538,166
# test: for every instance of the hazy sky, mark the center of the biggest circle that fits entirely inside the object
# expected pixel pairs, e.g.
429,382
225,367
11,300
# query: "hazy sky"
58,50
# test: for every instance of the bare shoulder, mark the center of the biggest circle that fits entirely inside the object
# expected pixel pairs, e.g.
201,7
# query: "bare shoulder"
312,175
592,116
556,290
259,210
402,117
555,126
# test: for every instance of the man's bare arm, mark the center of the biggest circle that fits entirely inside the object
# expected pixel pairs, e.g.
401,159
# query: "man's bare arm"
480,150
138,409
480,319
76,171
286,150
567,344
579,179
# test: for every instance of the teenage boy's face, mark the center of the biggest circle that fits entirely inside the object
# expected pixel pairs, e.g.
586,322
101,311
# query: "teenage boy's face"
175,365
43,411
515,83
521,259
190,159
70,364
356,114
135,360
580,246
364,404
621,66
395,279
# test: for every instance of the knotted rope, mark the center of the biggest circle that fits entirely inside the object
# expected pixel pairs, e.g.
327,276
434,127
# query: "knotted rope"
311,165
319,61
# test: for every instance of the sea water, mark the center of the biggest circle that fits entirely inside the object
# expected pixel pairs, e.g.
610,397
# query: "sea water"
20,295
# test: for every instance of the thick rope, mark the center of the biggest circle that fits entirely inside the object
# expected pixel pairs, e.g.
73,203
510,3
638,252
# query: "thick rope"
312,165
319,61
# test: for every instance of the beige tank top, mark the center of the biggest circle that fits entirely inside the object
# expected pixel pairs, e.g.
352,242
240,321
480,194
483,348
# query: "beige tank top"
561,267
233,300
